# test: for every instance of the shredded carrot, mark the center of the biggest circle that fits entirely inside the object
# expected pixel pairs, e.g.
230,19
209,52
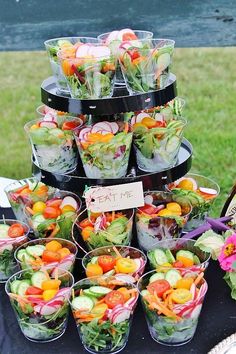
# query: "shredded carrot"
30,210
116,252
56,274
170,302
54,232
126,127
199,278
113,215
100,301
167,293
46,273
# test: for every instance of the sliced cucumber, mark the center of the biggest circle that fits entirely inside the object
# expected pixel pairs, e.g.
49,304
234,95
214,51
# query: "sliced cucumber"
99,291
172,144
196,260
172,276
82,303
185,254
22,287
110,273
160,256
4,230
170,257
23,256
145,292
156,276
38,278
14,286
36,250
93,260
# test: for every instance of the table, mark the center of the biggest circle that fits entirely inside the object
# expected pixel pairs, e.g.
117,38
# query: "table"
217,321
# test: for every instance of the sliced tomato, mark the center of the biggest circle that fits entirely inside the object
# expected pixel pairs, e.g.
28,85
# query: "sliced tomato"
159,287
69,125
178,264
51,212
54,203
114,298
107,262
16,230
84,223
148,209
50,256
129,36
33,290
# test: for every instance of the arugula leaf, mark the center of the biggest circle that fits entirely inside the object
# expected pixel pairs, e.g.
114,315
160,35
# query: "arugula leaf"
6,262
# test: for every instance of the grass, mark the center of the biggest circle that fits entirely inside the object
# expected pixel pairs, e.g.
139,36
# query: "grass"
206,79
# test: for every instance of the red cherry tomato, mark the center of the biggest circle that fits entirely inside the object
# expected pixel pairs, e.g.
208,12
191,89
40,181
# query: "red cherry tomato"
69,125
148,209
54,203
33,290
178,264
50,256
106,262
159,287
16,230
160,124
114,298
84,223
134,54
51,212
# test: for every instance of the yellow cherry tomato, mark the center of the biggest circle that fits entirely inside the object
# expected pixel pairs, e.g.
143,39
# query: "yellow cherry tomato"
86,232
164,267
67,208
39,207
174,207
53,246
166,212
63,252
180,296
99,310
186,184
126,265
93,270
184,283
49,294
187,262
34,126
137,125
148,122
51,284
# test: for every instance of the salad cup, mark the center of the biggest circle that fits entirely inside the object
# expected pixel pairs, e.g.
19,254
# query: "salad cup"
103,328
25,192
121,38
201,192
53,144
157,147
125,262
13,233
54,223
179,252
173,324
146,67
155,221
56,44
41,320
104,149
103,230
33,254
89,76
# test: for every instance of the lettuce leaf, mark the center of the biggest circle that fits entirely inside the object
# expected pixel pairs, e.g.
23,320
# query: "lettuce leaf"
210,242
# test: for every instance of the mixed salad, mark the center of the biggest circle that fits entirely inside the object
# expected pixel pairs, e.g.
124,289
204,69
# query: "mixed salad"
172,303
41,303
160,218
55,217
104,149
200,191
53,142
106,229
145,67
178,253
25,192
13,233
89,70
48,254
157,141
122,262
103,312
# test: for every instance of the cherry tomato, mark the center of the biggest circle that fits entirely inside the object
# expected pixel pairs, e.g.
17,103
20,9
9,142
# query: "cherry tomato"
33,290
69,125
126,265
159,286
129,36
54,203
114,298
148,209
51,212
178,264
50,256
106,262
16,230
134,54
85,223
180,296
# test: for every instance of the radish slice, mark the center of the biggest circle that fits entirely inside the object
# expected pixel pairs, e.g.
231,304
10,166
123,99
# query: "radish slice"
159,117
100,223
126,278
69,201
121,316
133,120
82,51
66,264
210,191
196,311
102,126
83,133
125,45
112,36
37,308
65,293
123,31
131,302
142,115
139,263
193,291
49,125
148,199
50,117
100,51
114,127
47,310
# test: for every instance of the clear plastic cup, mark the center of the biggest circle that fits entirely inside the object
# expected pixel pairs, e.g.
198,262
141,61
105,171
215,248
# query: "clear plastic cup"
157,148
89,76
107,334
169,330
8,265
53,146
125,252
146,68
115,47
151,228
117,234
41,321
25,192
59,227
201,202
27,259
52,47
171,247
104,156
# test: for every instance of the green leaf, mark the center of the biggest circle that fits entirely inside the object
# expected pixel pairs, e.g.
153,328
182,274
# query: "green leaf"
210,242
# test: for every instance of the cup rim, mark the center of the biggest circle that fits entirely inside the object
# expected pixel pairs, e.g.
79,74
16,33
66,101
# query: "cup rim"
116,246
46,43
33,121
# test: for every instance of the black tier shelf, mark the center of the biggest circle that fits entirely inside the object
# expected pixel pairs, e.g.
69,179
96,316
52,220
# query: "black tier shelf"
77,181
121,101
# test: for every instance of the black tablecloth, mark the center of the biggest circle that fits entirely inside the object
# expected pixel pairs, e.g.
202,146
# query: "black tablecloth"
217,321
